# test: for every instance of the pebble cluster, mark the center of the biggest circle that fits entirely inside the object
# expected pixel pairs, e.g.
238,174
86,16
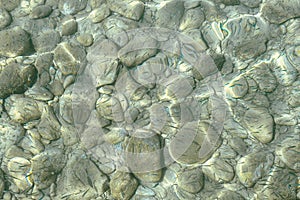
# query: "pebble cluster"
87,112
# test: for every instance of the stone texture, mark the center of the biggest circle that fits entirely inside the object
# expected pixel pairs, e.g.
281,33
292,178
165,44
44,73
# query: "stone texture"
40,12
46,41
68,58
253,167
260,124
68,26
9,5
14,42
279,11
123,185
5,18
85,39
16,78
22,109
71,7
99,13
218,170
191,180
192,19
169,14
131,9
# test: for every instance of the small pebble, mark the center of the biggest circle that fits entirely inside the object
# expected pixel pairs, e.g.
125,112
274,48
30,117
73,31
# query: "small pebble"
85,39
5,18
69,26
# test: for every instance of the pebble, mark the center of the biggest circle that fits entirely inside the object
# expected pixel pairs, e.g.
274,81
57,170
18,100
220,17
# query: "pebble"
9,5
81,178
16,78
279,11
85,39
40,12
169,14
22,109
39,93
123,185
68,58
14,42
284,71
259,123
144,158
46,41
99,13
238,87
294,99
288,151
49,127
253,167
1,183
71,7
263,76
45,166
192,19
10,133
251,4
191,180
68,26
229,195
5,18
218,170
131,9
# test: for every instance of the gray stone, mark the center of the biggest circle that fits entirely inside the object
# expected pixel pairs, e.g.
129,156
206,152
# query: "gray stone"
191,180
192,19
229,195
123,185
9,5
218,170
5,18
46,40
99,14
144,158
14,42
279,11
2,185
131,9
71,7
10,133
260,124
169,14
251,4
254,166
16,78
40,12
68,26
22,109
288,151
46,165
238,87
68,58
85,39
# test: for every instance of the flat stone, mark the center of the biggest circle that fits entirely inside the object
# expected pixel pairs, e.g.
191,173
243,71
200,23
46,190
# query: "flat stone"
288,151
5,18
99,13
85,39
254,166
186,146
284,71
22,109
15,79
279,11
131,9
68,58
260,124
192,19
123,185
46,41
144,157
40,12
263,76
68,26
14,42
169,14
238,87
71,7
46,165
137,51
110,108
81,178
218,170
9,5
10,133
49,127
191,180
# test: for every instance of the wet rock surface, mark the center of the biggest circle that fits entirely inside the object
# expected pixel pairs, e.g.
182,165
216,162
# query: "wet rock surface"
149,99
